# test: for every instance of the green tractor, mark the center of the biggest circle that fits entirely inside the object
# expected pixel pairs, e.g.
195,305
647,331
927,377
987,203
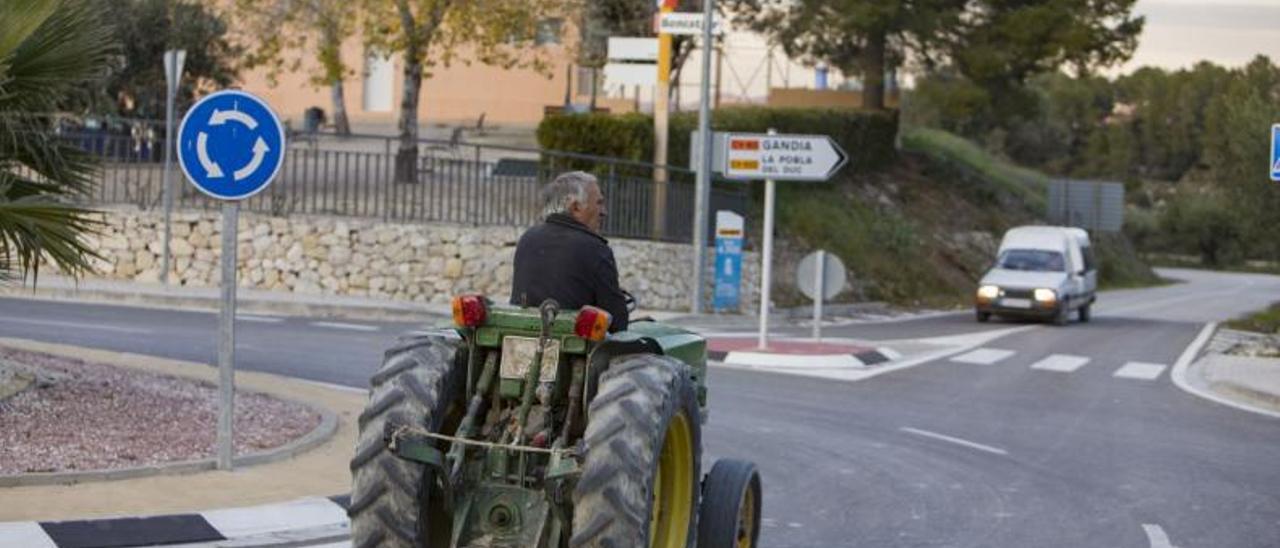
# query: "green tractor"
525,427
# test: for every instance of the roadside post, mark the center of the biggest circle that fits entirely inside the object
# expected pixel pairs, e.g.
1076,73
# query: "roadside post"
702,189
728,263
774,157
173,61
230,146
1275,152
821,276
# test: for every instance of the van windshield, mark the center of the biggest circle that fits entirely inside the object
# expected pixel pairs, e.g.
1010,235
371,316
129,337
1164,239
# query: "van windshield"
1034,260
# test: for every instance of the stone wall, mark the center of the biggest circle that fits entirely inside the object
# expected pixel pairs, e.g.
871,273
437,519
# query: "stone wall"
343,256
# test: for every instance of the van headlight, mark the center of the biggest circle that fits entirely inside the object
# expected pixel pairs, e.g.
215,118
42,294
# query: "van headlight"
988,292
1046,296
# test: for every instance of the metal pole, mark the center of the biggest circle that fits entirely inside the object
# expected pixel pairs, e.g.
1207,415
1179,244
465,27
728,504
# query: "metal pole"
227,335
173,60
661,99
766,267
702,198
819,277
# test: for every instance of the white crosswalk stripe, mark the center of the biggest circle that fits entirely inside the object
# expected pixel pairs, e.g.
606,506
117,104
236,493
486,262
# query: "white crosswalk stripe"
1140,370
1062,363
983,356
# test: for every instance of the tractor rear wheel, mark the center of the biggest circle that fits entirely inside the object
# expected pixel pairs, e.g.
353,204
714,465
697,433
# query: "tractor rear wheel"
639,484
394,503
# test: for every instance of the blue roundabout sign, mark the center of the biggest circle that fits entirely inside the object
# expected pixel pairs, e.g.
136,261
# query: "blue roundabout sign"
230,145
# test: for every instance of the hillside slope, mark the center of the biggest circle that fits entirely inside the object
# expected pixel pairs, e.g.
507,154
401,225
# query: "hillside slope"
922,232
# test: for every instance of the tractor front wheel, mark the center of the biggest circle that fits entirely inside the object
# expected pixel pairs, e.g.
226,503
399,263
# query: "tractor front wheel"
394,503
731,502
639,484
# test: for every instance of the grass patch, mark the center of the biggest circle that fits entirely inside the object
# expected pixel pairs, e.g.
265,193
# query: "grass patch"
1029,185
881,249
1263,321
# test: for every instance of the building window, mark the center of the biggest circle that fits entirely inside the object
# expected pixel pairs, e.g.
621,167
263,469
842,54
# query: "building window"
549,32
378,83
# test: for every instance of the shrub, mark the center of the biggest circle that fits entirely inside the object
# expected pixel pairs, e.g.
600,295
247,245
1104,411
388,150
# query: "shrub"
868,136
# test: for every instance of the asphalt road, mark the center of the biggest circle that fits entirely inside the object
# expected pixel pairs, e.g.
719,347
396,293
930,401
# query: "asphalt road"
1047,437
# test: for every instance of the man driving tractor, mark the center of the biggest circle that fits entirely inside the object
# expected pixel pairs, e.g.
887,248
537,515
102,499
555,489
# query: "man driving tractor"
565,258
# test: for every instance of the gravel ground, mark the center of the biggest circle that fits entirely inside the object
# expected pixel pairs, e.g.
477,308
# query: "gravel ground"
90,416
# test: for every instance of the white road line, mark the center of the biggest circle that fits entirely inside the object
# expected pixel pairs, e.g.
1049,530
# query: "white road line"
258,319
1062,363
1140,370
1179,374
983,356
1157,536
957,441
347,326
79,325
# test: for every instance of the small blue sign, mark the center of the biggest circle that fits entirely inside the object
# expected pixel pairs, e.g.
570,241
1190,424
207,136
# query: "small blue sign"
1275,152
728,273
230,145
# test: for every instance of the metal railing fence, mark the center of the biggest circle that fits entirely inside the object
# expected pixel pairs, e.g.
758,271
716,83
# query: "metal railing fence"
453,182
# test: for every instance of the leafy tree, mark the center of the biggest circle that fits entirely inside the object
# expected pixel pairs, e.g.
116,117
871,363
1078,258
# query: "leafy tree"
865,37
427,33
48,49
319,27
134,85
1236,151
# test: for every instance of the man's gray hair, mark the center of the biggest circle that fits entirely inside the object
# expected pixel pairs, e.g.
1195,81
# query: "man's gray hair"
566,189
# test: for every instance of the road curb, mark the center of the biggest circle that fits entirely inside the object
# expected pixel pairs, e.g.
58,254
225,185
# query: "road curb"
1189,376
302,522
315,437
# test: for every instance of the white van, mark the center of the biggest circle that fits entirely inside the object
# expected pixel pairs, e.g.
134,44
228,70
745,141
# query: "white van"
1041,272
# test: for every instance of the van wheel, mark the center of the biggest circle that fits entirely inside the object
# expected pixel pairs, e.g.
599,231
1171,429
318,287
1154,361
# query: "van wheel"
1085,313
1063,316
983,316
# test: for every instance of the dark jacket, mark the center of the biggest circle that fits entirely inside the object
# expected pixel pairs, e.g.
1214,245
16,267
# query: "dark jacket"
564,260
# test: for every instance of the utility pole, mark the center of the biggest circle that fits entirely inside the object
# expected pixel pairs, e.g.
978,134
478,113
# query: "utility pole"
702,199
661,100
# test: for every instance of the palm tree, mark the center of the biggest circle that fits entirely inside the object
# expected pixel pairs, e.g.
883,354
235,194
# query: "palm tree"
49,49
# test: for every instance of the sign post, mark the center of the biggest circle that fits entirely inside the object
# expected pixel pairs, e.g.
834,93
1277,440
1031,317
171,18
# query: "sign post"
766,266
173,61
1275,152
772,157
231,147
821,276
702,188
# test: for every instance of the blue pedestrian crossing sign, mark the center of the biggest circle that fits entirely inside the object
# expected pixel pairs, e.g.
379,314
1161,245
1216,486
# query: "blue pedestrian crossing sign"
230,145
1275,152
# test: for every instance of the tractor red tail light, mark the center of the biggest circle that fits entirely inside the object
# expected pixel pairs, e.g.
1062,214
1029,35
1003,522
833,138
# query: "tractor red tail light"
468,310
592,323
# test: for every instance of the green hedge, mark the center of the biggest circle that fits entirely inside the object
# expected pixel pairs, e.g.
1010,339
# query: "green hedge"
868,136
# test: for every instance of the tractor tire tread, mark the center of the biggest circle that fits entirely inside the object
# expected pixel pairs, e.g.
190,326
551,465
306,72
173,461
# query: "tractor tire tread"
412,387
626,425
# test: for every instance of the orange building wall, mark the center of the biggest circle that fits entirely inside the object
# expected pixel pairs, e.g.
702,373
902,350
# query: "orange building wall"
451,95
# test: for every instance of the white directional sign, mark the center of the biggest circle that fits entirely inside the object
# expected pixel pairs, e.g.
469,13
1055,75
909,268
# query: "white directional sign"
686,23
781,157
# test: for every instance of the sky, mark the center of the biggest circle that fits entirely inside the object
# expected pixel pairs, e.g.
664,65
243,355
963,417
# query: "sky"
1178,33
